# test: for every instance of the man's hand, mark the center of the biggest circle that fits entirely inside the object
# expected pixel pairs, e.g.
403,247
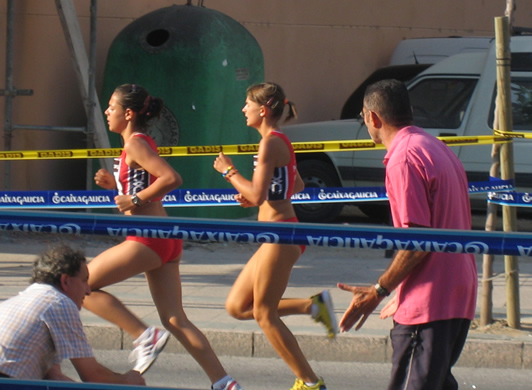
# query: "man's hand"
89,370
389,309
55,374
365,301
133,377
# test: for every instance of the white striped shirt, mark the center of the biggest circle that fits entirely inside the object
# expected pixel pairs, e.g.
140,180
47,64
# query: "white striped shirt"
39,327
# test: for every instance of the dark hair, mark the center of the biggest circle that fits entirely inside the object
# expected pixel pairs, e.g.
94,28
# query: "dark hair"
389,99
59,260
272,95
136,98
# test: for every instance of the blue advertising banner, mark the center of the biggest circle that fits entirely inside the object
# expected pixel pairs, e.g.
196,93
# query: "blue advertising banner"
511,198
220,230
207,197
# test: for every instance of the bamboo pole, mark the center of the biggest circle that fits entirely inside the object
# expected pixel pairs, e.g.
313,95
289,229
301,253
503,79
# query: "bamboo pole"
486,301
76,47
503,55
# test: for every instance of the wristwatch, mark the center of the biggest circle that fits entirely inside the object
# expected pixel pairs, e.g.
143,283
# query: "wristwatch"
136,200
381,291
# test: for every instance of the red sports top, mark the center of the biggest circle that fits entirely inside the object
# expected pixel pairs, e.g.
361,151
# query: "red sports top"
284,178
130,181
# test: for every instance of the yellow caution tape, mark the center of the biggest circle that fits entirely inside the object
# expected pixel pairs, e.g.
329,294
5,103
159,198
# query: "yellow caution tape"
214,150
513,134
475,140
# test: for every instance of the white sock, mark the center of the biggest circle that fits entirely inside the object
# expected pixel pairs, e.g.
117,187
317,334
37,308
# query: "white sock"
219,385
314,310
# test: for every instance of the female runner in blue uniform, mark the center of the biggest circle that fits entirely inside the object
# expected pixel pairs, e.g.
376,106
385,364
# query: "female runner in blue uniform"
258,290
142,178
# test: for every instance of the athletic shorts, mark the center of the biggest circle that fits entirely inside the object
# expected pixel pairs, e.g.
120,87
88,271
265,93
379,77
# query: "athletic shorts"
294,219
168,249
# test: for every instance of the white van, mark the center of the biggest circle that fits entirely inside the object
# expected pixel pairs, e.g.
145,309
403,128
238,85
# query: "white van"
454,97
432,50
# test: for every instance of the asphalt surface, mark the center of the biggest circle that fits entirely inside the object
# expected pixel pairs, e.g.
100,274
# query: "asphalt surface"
209,269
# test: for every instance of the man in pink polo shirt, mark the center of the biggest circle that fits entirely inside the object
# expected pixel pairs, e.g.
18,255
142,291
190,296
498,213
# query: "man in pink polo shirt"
435,292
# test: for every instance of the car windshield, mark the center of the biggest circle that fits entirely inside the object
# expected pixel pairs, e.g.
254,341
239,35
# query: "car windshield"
441,103
521,104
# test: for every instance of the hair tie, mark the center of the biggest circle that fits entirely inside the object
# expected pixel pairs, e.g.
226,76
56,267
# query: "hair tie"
145,105
274,103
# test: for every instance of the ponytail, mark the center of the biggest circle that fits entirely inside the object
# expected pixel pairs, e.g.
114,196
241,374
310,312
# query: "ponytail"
137,99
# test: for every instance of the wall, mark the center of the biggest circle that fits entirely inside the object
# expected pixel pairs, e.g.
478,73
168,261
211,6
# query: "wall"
318,50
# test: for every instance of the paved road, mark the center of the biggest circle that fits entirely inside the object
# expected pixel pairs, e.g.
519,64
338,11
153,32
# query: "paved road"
178,370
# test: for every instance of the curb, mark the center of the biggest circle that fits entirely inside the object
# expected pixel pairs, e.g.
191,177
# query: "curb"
477,353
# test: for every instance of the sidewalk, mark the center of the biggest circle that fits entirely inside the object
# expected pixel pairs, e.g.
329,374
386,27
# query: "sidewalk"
209,269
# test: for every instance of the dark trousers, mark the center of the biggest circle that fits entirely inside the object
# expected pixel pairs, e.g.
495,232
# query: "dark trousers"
423,355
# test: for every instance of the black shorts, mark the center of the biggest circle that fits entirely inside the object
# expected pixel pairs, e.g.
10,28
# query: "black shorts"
423,355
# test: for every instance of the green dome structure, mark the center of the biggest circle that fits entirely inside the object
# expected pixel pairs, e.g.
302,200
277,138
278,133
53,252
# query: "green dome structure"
200,62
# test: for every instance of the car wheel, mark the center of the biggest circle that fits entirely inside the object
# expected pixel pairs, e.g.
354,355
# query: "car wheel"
380,211
316,173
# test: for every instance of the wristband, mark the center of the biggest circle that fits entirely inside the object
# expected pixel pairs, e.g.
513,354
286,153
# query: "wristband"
227,171
231,174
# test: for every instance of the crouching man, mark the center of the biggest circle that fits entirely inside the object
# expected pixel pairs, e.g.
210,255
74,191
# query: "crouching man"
41,326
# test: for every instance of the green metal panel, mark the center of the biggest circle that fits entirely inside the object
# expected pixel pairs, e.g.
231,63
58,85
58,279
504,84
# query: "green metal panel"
200,62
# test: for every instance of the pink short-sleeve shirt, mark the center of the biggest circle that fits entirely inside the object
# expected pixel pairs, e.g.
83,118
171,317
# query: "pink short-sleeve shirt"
427,186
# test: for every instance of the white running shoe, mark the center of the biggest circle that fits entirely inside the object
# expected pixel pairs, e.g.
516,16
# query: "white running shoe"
147,348
231,385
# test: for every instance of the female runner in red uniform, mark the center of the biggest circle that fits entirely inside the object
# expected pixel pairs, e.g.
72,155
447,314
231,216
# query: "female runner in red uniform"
258,290
142,178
